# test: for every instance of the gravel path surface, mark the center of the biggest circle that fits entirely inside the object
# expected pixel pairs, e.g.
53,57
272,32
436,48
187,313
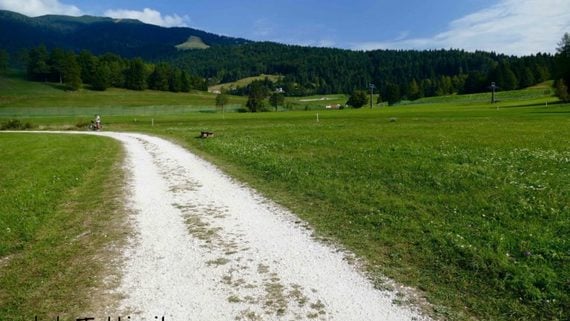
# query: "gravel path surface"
208,248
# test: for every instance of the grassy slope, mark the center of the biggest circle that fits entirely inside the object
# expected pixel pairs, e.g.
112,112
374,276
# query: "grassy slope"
450,195
192,43
58,210
44,99
242,82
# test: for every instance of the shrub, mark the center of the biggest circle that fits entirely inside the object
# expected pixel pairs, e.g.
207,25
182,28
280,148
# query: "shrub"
16,124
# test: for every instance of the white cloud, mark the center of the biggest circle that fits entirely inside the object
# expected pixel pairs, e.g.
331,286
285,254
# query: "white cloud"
34,8
517,27
149,16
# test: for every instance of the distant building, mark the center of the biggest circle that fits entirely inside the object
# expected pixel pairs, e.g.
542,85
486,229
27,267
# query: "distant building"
337,106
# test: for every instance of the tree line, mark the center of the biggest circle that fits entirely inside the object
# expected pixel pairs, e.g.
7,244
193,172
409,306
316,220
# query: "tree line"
398,74
108,70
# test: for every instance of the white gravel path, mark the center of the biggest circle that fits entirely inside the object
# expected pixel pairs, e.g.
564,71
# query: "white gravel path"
208,248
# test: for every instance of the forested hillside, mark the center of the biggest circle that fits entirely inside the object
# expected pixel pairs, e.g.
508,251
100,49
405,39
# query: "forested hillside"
405,74
397,74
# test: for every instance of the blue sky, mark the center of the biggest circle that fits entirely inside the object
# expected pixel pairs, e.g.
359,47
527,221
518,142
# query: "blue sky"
516,27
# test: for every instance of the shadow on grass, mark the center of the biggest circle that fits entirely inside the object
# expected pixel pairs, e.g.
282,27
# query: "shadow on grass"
57,86
550,104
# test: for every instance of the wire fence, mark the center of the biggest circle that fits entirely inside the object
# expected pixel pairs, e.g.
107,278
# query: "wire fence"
111,110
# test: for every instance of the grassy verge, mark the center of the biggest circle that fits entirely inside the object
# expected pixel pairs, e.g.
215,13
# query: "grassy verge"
60,205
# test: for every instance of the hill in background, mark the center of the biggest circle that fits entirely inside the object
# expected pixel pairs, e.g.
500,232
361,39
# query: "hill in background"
303,71
126,37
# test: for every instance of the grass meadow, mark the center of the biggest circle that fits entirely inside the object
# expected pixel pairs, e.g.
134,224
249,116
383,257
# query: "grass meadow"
472,207
466,201
60,207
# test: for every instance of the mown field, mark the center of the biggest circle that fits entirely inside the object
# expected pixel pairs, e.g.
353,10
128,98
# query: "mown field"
60,207
466,201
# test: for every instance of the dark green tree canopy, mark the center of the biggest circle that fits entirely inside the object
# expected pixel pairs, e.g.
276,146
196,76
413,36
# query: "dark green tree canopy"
108,70
4,60
221,100
357,99
276,100
563,59
257,93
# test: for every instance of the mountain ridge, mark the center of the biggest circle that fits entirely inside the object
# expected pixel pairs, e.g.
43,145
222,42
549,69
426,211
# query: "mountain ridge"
126,37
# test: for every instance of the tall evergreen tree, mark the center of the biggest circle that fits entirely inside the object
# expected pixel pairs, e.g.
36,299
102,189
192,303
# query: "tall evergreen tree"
88,64
4,60
257,93
563,59
526,78
135,75
392,93
413,90
38,68
184,82
57,62
72,72
159,78
561,90
175,80
117,67
101,79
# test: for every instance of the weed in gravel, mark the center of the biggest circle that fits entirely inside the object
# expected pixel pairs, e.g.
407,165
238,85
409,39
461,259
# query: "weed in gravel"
218,262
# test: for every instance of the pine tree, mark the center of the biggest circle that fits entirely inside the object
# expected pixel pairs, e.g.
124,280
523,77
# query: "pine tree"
563,59
175,81
88,63
392,93
257,93
38,68
4,59
101,79
135,77
562,90
57,61
413,90
184,82
527,78
72,72
159,78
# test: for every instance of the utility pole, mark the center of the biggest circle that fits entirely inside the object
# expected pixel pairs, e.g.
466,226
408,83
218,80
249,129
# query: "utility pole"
493,87
371,86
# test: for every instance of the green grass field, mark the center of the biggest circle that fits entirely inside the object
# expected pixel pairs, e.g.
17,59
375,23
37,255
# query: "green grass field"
58,211
22,98
467,201
471,207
